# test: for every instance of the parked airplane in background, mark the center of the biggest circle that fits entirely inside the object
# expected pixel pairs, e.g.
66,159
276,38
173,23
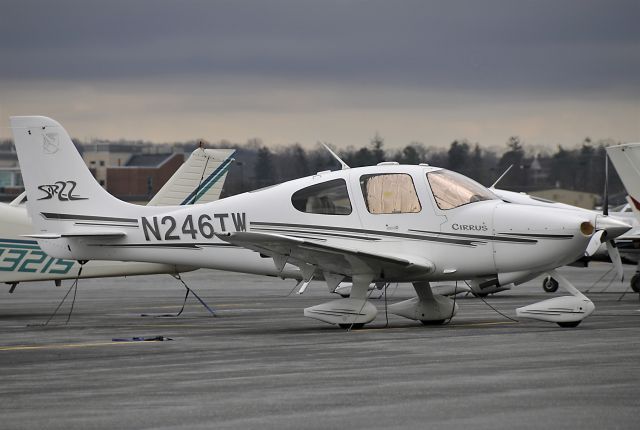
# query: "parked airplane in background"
198,180
384,223
626,160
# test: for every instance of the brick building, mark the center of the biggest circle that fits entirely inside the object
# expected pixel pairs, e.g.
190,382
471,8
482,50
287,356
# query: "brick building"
130,172
142,176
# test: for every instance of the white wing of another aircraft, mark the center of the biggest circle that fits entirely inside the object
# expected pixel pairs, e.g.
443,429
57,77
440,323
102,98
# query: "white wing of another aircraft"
626,160
199,180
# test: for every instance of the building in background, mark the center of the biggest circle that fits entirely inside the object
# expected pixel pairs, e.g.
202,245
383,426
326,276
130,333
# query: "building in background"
10,178
130,172
569,197
142,176
100,156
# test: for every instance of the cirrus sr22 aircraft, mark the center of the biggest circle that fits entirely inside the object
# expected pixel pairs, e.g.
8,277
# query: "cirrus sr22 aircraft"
384,223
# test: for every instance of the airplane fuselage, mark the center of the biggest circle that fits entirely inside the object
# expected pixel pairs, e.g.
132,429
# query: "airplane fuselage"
473,240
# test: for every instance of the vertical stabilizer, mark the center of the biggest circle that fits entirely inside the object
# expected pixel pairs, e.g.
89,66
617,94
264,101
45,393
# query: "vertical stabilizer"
199,180
57,181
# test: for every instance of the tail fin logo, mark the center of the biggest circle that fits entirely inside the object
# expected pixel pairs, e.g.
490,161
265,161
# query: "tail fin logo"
62,189
50,143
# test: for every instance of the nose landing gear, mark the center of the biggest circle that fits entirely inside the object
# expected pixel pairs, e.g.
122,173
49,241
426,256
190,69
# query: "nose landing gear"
635,282
550,285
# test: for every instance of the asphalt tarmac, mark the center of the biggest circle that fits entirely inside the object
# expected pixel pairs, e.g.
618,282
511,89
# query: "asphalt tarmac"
260,364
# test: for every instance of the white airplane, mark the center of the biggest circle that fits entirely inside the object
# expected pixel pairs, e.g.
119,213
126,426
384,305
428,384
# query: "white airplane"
626,160
198,180
384,223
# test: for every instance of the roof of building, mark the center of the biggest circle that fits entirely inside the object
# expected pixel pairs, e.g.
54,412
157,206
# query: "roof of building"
148,160
112,147
8,155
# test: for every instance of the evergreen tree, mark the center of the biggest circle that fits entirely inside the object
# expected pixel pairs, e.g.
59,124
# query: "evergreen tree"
410,155
517,176
264,169
458,157
377,151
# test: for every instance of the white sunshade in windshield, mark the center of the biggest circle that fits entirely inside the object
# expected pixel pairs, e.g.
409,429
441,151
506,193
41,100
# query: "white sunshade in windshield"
451,189
389,193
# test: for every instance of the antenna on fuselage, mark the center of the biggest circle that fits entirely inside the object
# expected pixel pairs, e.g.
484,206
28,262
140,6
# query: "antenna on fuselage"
501,176
342,163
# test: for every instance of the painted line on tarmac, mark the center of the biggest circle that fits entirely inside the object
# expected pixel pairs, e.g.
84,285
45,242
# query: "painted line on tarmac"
67,345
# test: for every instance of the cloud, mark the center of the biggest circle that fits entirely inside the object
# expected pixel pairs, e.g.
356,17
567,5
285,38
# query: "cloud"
357,64
489,44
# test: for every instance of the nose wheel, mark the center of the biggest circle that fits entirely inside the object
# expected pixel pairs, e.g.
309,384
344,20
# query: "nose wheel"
635,282
569,324
550,285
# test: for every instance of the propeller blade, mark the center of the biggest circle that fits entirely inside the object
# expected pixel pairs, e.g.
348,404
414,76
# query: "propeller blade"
605,198
594,243
614,254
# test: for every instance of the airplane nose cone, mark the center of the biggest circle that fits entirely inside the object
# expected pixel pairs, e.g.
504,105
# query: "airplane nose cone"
612,227
530,238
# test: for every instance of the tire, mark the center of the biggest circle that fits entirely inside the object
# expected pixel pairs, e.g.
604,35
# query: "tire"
432,322
355,326
635,283
550,285
569,324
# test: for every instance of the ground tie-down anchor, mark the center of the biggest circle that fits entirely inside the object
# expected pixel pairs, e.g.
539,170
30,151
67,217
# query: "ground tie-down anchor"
186,296
73,287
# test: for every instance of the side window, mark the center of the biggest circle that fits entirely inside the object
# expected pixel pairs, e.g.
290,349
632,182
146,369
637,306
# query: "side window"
389,193
328,198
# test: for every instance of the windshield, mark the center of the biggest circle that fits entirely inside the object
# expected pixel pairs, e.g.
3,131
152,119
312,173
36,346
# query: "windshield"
451,189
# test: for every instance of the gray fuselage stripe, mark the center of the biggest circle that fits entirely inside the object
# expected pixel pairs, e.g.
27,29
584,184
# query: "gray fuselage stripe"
374,232
73,217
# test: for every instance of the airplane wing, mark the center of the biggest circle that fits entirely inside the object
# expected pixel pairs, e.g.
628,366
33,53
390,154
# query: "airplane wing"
327,258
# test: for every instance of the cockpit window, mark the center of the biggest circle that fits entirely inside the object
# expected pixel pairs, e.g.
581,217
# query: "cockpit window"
328,198
389,193
451,189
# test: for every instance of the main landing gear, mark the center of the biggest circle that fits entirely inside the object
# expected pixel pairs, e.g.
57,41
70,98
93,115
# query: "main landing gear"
356,311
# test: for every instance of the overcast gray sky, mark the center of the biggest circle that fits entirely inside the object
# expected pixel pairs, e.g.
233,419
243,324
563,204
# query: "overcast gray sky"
552,72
